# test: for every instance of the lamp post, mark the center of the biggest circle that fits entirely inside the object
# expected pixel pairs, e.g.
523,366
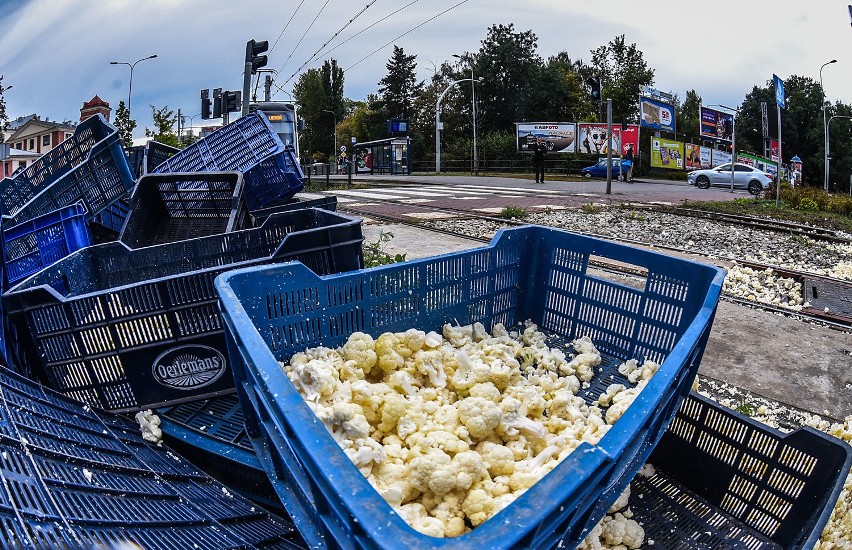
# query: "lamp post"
733,141
334,153
131,65
191,122
473,110
827,155
438,127
824,123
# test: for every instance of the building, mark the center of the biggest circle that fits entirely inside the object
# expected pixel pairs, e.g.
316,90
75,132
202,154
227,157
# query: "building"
40,136
12,159
95,106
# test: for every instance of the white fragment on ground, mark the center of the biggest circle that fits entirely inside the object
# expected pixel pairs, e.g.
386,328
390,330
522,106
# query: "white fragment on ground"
150,426
87,474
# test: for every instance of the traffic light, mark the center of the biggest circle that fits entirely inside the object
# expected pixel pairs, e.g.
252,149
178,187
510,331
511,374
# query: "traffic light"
595,86
253,50
205,103
217,103
231,101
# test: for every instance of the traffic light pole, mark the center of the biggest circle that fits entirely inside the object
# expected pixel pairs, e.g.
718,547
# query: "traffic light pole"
246,86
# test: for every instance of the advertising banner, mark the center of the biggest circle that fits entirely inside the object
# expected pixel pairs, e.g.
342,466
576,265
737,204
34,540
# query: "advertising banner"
761,163
656,114
666,154
779,89
692,156
720,157
716,124
591,138
630,138
773,144
558,137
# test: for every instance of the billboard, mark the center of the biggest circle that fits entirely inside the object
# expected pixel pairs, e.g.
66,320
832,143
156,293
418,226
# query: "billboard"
657,115
761,163
591,138
630,138
716,124
720,157
666,154
559,137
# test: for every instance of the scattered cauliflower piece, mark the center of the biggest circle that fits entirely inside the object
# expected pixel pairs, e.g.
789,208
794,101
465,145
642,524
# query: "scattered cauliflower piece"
150,425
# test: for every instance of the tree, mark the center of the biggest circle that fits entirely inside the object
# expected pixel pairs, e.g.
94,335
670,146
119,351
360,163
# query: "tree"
164,124
318,91
560,94
623,72
688,114
4,119
124,124
399,87
510,67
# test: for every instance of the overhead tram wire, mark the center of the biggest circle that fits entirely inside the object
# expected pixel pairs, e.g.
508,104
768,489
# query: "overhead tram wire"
304,34
285,26
335,35
377,50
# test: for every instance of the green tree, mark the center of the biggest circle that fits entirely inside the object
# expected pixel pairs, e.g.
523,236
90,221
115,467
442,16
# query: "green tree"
124,124
164,124
318,91
688,114
623,71
510,67
560,94
399,87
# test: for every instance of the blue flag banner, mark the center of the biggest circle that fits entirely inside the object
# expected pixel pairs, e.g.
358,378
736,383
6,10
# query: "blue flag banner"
779,90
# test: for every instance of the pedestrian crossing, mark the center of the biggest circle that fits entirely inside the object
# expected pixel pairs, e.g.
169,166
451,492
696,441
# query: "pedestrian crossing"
426,194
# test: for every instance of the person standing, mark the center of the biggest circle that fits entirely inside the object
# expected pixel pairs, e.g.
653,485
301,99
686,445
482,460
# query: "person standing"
539,149
628,161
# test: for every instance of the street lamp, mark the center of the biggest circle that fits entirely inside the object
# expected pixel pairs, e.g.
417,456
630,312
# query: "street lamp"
827,156
734,142
473,109
334,153
131,65
824,123
191,121
438,121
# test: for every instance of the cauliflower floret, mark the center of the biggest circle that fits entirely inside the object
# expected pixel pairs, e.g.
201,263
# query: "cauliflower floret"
480,506
486,390
635,373
429,363
480,416
469,372
392,482
389,358
458,336
314,378
621,501
434,472
621,401
415,515
606,399
149,423
619,530
514,423
350,418
471,468
360,348
449,511
500,460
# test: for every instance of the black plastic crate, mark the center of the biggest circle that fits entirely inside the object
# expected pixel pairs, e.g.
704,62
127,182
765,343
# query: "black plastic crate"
326,203
248,145
726,481
125,329
165,208
142,159
106,226
73,477
211,434
89,168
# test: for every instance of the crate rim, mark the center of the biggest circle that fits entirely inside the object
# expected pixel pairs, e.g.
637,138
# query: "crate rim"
63,299
352,483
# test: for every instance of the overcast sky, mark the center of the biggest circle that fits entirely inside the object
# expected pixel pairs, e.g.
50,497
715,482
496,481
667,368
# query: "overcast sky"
56,53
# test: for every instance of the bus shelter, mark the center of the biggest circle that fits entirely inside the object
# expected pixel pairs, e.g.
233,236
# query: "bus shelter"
383,156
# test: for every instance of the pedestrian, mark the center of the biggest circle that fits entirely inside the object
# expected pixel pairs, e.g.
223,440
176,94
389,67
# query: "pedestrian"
539,149
628,161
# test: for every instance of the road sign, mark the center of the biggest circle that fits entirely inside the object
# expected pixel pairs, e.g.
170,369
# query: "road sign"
342,148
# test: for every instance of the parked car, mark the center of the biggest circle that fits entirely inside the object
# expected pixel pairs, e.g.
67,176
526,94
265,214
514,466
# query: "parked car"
599,170
745,177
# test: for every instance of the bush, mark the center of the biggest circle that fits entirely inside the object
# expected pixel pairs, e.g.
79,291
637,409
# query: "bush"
514,212
816,200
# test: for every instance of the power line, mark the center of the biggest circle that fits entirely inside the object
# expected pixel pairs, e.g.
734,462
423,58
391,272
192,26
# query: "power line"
303,35
287,25
377,50
335,35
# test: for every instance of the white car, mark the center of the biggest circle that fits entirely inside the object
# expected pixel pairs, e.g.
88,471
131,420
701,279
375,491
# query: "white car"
745,177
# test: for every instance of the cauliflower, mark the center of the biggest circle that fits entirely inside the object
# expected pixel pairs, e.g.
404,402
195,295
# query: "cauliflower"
635,373
451,429
480,416
618,530
149,423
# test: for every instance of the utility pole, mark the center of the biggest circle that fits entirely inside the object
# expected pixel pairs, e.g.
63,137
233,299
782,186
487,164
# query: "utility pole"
609,146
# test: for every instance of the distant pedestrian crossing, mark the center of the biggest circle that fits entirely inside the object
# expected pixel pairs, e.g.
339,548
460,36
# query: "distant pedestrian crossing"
431,193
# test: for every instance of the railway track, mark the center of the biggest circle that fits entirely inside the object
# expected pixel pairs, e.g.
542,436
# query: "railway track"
830,299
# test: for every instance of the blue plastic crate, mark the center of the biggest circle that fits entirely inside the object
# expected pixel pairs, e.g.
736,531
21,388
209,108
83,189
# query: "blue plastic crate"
533,273
106,225
724,480
73,477
326,203
124,329
247,145
35,244
89,168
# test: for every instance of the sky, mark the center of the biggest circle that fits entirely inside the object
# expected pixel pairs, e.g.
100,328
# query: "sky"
55,54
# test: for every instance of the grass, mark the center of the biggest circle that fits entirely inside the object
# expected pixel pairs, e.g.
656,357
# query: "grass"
514,213
375,254
808,206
